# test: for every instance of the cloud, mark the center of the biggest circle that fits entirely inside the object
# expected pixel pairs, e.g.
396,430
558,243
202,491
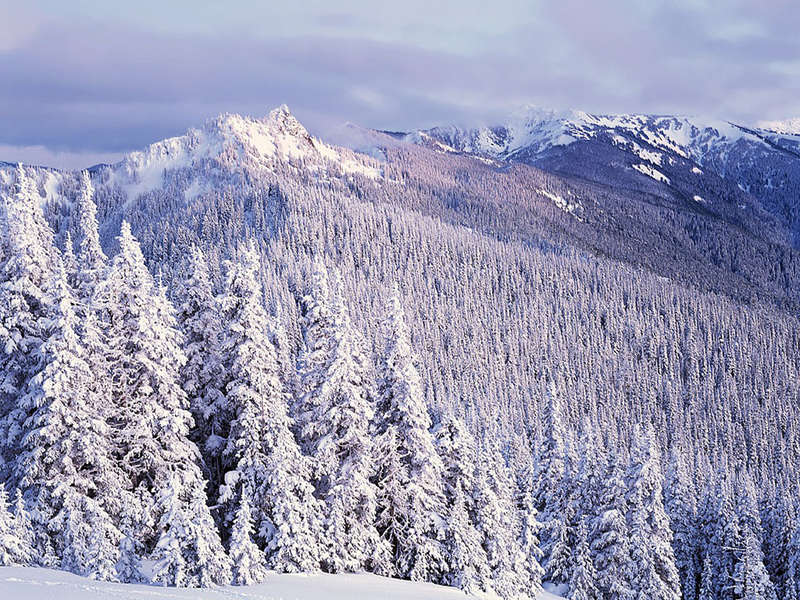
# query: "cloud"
78,85
39,155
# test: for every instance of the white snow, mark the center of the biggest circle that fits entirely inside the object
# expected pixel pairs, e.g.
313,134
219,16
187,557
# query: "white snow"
651,172
28,583
560,202
257,142
787,126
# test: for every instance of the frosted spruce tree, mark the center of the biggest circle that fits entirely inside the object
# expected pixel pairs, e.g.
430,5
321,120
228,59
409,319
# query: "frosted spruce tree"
610,545
65,464
261,453
467,563
335,413
529,566
583,578
12,547
200,321
679,504
410,477
654,573
92,260
552,490
249,562
750,578
151,423
28,259
188,552
497,520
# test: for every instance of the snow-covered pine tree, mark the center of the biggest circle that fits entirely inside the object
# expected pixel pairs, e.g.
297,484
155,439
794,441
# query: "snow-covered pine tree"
12,549
129,566
468,566
151,420
723,539
654,573
91,258
583,578
750,578
261,452
248,561
528,566
23,529
199,319
65,458
496,519
610,544
410,479
680,506
337,409
70,261
552,490
28,260
188,552
707,581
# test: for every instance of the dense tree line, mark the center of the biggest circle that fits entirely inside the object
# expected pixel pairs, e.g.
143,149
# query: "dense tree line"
612,414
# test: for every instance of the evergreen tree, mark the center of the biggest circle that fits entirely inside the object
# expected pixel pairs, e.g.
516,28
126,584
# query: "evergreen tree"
12,550
468,565
151,422
23,529
410,479
28,260
610,544
198,317
261,453
583,577
249,563
91,258
530,553
65,459
750,578
188,552
336,410
655,575
707,581
679,504
496,521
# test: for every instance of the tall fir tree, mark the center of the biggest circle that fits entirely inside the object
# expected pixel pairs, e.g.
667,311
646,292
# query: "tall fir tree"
680,506
582,581
654,573
411,497
467,563
610,544
151,421
28,261
65,462
12,547
261,452
336,412
200,321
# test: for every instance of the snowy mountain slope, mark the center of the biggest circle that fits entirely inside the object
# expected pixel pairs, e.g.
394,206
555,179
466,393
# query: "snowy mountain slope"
616,193
677,151
28,583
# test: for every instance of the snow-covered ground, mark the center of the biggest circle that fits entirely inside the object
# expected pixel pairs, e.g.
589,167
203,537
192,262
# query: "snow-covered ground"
28,583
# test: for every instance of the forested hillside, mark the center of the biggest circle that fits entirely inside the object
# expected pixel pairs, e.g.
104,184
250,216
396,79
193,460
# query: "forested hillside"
244,349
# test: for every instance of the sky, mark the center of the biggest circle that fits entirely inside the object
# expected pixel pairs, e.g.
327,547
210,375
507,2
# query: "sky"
84,81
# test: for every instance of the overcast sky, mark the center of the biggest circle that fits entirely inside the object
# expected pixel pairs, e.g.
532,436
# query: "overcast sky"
85,80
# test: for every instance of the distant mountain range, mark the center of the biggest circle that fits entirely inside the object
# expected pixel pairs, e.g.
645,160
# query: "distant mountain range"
705,202
625,150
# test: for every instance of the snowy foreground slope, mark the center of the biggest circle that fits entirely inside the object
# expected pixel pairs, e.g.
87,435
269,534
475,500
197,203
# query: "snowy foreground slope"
28,583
